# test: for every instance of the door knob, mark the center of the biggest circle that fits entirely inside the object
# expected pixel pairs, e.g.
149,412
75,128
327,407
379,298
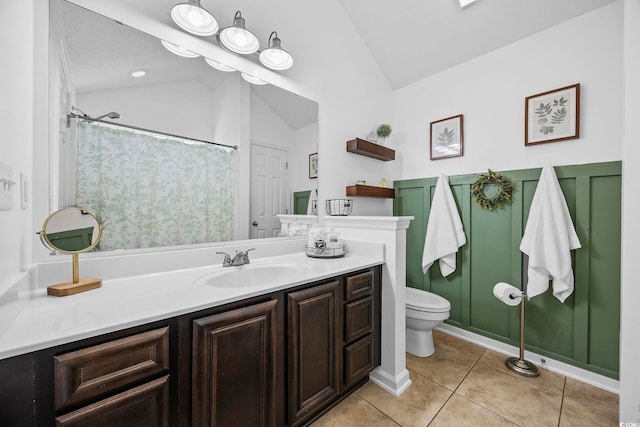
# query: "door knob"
254,223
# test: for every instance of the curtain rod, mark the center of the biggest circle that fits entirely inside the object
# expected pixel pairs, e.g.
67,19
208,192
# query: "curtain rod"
89,119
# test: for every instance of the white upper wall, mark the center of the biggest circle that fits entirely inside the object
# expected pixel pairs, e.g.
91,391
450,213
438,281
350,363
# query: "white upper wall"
17,123
490,91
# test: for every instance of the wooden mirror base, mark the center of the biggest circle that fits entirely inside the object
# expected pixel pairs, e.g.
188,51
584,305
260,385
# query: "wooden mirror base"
70,288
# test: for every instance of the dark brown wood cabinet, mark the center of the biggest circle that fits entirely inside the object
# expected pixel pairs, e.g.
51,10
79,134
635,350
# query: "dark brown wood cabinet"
103,382
314,347
143,406
279,359
93,372
361,326
234,368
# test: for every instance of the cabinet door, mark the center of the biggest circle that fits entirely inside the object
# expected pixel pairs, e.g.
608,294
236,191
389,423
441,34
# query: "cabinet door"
143,406
234,362
314,340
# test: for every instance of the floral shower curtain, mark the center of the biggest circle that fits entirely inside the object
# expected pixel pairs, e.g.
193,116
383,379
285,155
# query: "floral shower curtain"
152,191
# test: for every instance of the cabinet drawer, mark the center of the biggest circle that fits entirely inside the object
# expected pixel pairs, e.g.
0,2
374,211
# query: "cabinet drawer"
95,371
358,286
358,360
143,406
358,319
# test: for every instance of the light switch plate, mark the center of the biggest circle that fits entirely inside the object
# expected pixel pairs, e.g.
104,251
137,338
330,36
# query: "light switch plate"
24,191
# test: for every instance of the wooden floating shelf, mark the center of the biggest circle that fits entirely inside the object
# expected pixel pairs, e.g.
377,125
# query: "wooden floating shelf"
369,149
370,191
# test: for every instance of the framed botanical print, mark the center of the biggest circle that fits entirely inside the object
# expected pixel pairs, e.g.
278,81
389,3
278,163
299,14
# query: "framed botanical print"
446,138
552,116
313,165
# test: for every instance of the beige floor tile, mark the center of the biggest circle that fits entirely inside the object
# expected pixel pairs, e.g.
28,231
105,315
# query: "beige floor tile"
575,414
594,397
546,379
450,363
522,403
459,411
416,407
354,412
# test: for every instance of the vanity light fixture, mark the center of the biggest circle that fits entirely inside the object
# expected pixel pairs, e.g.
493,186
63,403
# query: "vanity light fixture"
253,80
193,18
237,38
219,65
138,73
178,50
274,56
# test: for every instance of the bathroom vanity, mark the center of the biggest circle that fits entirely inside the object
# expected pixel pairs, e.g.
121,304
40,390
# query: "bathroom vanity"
274,356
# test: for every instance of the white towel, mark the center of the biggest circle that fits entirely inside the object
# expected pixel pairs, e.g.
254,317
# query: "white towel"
548,239
444,230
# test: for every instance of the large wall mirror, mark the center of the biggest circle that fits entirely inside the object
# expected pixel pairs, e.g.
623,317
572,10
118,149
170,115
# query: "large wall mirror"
144,174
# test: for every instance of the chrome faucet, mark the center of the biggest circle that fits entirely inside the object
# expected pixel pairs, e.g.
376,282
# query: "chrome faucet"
240,258
227,259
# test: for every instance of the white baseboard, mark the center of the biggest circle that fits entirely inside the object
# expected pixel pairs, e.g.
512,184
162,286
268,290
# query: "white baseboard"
394,385
545,362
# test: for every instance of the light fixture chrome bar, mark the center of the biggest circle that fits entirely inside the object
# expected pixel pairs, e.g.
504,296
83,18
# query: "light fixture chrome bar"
92,119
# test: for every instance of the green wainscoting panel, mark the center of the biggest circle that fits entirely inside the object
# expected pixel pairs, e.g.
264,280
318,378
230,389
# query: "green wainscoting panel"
301,202
584,331
604,274
413,198
490,261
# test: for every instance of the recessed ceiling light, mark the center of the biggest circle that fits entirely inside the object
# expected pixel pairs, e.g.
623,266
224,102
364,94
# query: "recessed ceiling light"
138,73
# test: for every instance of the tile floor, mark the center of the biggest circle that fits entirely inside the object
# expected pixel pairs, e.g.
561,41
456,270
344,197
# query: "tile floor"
464,384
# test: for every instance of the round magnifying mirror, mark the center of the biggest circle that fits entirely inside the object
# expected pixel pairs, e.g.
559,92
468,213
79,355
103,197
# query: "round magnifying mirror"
72,231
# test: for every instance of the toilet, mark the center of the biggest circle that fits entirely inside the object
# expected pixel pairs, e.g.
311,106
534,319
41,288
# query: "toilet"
424,312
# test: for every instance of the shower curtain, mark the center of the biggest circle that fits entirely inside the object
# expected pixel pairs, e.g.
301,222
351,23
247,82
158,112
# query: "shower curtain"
149,190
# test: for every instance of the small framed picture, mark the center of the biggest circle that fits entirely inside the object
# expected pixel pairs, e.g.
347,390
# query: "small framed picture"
313,165
552,116
447,138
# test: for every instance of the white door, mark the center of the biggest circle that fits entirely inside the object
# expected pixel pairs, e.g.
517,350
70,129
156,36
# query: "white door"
268,190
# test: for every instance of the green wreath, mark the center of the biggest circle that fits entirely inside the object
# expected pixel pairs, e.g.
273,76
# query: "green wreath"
502,196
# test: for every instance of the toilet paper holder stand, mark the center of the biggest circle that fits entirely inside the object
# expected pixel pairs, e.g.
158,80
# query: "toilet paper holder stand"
518,364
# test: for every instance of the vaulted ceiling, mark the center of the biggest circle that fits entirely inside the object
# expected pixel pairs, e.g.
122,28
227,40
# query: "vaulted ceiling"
413,39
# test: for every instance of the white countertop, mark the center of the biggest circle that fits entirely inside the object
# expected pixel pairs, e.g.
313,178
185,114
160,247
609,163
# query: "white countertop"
37,322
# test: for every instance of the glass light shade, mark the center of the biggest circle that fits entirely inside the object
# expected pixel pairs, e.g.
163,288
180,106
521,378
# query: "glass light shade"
178,50
238,39
276,58
194,19
253,80
219,65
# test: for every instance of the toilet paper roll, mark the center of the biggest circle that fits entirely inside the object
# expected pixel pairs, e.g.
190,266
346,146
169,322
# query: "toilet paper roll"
507,293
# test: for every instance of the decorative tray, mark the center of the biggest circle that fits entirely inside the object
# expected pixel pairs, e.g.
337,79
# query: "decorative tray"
315,252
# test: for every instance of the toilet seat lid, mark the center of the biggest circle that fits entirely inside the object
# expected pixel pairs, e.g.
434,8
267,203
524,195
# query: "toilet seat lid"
419,300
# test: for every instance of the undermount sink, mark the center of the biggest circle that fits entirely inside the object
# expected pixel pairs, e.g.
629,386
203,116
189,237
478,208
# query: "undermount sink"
252,275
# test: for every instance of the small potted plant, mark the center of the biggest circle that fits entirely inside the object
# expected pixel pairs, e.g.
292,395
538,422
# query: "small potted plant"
383,131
